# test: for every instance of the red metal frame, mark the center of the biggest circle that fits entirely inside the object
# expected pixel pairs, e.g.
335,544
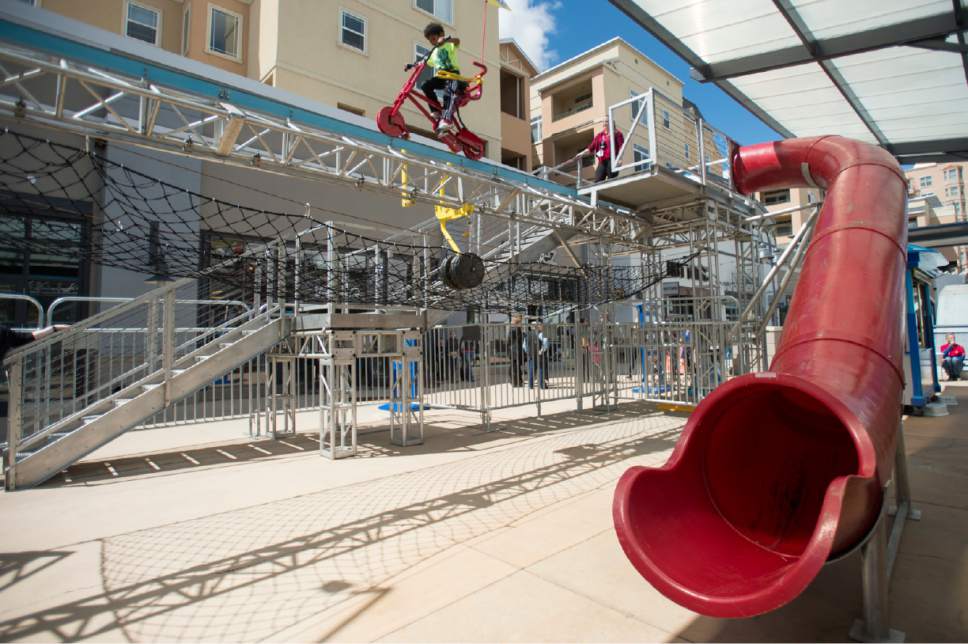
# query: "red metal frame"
391,122
777,472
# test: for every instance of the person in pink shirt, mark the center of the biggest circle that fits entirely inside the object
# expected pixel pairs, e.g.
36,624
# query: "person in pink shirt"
600,147
952,357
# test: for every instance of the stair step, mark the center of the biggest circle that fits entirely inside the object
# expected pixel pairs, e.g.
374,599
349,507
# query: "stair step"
87,420
150,386
25,455
56,436
121,401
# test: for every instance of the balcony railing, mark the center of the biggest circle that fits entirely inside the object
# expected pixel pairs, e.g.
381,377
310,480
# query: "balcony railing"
667,135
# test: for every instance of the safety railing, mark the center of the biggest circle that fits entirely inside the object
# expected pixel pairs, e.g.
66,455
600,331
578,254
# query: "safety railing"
59,376
665,134
13,298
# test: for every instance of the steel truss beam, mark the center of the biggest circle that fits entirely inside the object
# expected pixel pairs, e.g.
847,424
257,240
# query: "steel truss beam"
55,92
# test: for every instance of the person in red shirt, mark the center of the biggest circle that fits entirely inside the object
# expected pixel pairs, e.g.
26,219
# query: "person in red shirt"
953,357
601,148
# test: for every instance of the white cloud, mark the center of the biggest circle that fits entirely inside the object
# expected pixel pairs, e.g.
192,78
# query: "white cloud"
531,23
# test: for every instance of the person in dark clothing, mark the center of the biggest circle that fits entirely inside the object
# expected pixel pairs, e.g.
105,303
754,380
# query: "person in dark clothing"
11,339
516,351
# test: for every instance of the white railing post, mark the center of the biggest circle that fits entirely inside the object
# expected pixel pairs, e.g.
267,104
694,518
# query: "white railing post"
168,339
14,419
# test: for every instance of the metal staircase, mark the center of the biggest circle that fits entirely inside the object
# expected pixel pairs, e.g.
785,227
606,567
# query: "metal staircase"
79,389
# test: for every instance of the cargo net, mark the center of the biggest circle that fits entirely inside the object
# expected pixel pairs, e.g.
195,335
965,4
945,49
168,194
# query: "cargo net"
140,223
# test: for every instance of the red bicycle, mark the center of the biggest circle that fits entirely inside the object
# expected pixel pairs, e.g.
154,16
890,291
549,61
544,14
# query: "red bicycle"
391,121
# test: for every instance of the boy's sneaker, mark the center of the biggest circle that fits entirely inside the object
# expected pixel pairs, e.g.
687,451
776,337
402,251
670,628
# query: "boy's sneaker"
436,115
445,126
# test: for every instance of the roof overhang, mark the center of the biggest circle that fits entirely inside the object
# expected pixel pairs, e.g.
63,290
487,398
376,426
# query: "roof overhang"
889,72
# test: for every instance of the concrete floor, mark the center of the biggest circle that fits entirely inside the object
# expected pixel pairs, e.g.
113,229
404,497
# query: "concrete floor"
473,536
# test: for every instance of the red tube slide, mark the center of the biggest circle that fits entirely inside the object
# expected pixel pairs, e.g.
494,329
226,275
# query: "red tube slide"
777,472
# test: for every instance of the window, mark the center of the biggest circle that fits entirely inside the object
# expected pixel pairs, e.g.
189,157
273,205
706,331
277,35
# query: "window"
32,3
50,264
638,106
665,119
951,191
224,33
186,28
950,174
957,208
352,110
536,130
419,51
143,23
687,151
924,182
776,196
443,10
640,156
353,31
783,229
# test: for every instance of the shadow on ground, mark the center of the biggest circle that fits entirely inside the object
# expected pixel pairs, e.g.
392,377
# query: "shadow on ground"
373,442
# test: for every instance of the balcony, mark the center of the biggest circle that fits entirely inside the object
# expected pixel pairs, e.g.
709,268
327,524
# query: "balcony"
670,154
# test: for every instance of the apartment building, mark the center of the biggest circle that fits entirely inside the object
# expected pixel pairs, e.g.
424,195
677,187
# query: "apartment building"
787,225
348,54
944,180
570,102
516,72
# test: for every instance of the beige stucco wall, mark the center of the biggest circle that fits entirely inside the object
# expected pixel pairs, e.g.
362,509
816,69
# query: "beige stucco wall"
616,70
516,132
951,192
111,15
199,34
312,62
516,136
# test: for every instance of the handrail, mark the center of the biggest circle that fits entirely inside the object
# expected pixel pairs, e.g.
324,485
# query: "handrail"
26,298
121,300
152,295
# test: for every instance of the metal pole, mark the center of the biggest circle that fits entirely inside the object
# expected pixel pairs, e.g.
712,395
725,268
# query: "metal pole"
14,419
168,340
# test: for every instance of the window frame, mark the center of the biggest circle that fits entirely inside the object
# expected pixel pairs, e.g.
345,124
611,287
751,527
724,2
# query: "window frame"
638,106
433,15
536,120
666,119
186,28
786,191
416,54
926,181
339,32
240,42
640,149
953,172
146,7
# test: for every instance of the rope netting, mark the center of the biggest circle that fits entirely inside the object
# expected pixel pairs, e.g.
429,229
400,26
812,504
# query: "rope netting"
144,224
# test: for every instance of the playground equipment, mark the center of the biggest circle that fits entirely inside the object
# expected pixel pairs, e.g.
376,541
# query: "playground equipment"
777,472
392,123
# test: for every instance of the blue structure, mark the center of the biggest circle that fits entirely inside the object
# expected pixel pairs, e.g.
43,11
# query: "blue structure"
922,267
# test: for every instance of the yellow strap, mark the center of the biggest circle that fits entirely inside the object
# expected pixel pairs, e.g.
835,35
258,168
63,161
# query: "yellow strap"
446,75
445,214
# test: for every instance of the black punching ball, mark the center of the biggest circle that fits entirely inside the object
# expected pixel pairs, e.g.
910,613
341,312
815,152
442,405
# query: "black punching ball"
463,271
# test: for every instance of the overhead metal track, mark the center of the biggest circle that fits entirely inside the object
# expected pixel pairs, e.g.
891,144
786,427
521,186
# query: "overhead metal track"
47,90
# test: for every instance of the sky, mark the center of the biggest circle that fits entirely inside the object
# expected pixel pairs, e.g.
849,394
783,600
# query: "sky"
551,31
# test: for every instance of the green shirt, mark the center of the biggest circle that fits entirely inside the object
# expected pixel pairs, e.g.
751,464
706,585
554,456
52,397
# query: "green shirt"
445,58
